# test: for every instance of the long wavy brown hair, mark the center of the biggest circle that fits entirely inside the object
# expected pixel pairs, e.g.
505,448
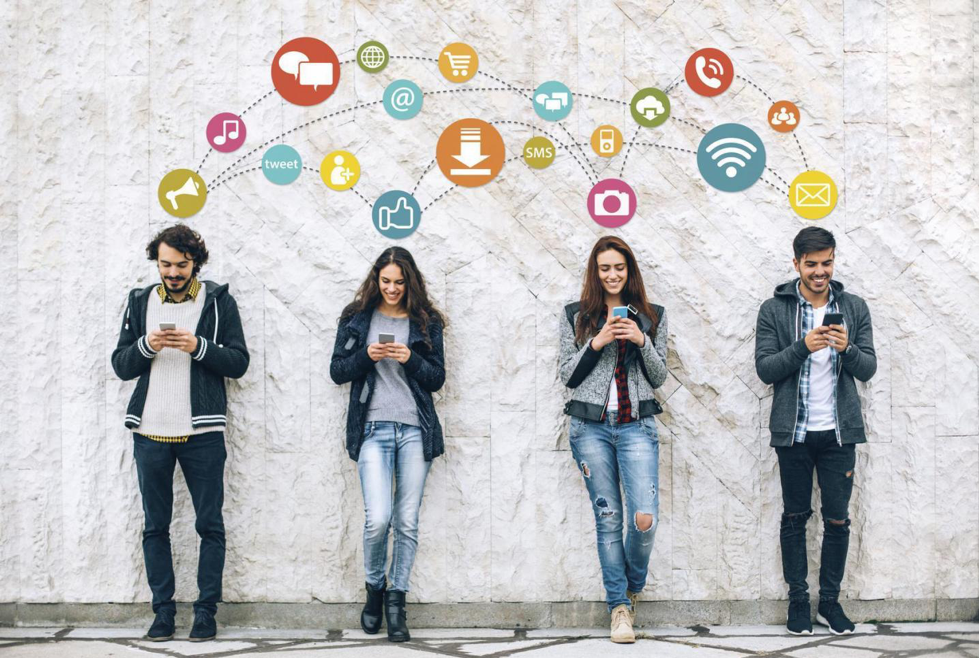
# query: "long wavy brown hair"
593,295
415,301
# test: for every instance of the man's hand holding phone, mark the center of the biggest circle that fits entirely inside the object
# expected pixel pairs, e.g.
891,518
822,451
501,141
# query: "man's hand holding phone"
180,339
817,339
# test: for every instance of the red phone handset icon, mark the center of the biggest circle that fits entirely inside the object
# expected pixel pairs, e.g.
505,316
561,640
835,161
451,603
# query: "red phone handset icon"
709,72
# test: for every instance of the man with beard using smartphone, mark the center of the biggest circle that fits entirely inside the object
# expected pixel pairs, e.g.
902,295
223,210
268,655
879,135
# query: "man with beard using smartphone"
813,339
180,338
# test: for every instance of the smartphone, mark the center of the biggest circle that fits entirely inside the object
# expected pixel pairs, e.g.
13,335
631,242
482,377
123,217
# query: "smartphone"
167,325
832,318
620,312
385,338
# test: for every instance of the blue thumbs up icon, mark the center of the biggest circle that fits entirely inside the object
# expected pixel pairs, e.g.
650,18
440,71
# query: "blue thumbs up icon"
396,214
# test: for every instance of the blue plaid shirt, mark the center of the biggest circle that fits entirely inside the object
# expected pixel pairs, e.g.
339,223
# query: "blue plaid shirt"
808,320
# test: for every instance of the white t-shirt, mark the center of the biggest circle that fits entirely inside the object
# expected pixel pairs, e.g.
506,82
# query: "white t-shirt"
821,415
613,396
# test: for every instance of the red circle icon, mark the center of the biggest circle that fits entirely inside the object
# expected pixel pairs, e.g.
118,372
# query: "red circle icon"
709,72
305,71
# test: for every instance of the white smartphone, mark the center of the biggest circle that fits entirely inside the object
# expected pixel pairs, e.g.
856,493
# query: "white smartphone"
167,325
385,338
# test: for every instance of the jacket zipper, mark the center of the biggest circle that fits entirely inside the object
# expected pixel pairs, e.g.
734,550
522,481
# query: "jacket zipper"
798,379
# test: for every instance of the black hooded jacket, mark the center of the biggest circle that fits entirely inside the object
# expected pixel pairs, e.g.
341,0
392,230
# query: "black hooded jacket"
425,371
221,352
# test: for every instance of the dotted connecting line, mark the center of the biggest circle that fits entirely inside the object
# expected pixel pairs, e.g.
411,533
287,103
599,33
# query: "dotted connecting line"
233,176
299,127
772,100
219,181
552,137
600,98
777,176
197,171
580,149
797,143
362,197
740,77
689,123
432,202
427,169
257,102
775,187
629,150
672,85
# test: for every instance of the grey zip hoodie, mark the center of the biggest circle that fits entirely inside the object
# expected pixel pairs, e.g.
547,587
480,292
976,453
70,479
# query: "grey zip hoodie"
780,351
590,372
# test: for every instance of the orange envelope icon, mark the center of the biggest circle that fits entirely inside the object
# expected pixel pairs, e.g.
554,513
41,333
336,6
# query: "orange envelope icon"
813,195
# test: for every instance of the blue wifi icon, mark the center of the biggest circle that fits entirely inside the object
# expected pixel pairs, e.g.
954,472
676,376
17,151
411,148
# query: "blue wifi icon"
731,157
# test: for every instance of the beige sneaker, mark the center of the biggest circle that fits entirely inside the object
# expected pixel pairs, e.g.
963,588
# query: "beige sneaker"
622,632
634,600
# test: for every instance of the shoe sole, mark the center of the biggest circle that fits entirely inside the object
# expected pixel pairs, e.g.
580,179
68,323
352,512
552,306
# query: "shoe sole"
398,639
798,632
159,639
624,640
201,639
824,622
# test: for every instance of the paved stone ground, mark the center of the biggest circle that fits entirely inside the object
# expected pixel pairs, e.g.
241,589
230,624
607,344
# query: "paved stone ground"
870,641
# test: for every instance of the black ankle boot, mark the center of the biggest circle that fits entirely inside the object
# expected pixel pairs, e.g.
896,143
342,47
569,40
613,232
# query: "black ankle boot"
373,612
394,604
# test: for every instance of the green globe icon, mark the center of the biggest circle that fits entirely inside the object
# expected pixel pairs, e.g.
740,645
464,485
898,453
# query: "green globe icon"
372,56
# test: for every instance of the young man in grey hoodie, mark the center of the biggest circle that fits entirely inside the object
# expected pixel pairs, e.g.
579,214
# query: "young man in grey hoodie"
812,359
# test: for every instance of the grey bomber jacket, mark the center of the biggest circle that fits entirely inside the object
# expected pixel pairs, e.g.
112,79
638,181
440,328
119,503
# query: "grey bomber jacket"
589,372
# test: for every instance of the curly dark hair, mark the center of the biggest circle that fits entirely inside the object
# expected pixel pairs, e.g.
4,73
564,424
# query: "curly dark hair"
185,240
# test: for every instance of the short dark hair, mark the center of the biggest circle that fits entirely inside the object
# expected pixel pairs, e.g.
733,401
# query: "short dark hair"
812,239
185,240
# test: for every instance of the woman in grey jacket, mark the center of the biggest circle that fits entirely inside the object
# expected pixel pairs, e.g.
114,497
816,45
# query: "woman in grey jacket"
613,354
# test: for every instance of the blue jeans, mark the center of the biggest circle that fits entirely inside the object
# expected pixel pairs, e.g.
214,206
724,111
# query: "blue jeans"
608,454
391,452
202,462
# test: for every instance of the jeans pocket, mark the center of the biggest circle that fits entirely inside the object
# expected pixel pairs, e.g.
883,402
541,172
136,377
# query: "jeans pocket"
368,430
648,424
575,428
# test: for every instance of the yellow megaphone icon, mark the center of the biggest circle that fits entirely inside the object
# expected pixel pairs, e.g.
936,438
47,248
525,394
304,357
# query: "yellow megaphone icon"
182,193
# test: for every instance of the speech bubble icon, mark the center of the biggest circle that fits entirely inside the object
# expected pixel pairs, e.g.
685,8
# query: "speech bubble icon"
290,61
314,74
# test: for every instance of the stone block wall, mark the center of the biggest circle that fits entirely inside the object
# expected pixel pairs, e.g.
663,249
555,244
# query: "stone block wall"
101,98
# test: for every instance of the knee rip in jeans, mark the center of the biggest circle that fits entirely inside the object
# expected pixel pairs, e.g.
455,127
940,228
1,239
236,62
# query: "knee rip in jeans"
644,521
844,523
602,504
849,474
584,470
798,518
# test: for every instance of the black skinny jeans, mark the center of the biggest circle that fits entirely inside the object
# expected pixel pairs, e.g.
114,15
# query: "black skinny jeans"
202,462
834,469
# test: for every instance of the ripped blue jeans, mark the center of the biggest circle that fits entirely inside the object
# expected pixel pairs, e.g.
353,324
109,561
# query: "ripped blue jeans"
609,454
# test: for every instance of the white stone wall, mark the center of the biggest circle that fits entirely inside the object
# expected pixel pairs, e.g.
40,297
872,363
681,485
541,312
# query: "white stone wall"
99,99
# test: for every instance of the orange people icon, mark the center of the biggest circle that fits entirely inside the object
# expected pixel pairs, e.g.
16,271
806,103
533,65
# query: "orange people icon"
783,116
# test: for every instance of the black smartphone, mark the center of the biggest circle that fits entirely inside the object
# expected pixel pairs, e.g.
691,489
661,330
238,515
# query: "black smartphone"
832,318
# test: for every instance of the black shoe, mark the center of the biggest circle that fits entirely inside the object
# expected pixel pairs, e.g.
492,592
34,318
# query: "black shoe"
394,609
373,613
800,618
830,614
204,628
163,626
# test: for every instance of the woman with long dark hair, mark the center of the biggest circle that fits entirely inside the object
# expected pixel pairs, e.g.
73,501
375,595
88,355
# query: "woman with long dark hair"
613,355
389,347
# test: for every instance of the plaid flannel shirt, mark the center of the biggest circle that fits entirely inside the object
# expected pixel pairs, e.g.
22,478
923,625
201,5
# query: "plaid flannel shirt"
808,320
